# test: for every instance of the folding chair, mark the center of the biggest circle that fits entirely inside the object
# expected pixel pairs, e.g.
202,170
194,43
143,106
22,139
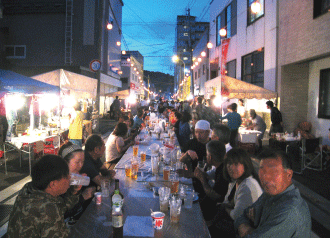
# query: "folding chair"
311,154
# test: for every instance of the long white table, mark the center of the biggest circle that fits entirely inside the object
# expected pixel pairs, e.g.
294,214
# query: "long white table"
139,199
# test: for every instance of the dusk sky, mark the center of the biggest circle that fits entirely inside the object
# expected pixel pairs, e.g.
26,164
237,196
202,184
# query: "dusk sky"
149,27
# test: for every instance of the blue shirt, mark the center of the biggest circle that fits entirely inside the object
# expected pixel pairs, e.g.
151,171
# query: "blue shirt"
283,215
234,120
137,122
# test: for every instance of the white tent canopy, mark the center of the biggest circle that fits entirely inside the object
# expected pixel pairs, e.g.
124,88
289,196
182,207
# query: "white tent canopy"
80,86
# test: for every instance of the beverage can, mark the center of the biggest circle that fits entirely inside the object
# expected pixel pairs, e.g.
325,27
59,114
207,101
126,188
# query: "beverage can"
98,198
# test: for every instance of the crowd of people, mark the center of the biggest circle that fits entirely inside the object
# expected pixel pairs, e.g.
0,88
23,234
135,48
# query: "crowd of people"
236,196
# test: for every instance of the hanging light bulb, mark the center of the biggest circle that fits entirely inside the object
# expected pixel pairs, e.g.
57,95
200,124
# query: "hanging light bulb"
118,43
123,52
223,32
209,45
203,54
199,59
109,26
128,59
256,7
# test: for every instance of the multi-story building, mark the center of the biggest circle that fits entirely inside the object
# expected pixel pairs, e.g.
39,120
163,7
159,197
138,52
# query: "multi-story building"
188,32
44,35
304,64
132,77
200,68
252,54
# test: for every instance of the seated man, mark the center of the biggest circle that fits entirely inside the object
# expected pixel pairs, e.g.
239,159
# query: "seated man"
215,155
39,209
221,133
196,148
93,166
257,124
138,120
280,211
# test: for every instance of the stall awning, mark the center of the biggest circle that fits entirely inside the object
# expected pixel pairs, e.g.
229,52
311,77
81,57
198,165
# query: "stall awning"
235,88
79,85
13,82
121,94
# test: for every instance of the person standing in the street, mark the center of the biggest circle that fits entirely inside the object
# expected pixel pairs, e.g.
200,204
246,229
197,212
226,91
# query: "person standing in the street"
234,122
76,126
276,118
257,124
116,108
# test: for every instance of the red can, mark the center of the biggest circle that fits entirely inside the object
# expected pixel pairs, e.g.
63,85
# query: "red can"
98,198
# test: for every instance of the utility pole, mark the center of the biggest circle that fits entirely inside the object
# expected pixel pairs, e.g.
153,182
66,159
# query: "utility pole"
190,55
148,85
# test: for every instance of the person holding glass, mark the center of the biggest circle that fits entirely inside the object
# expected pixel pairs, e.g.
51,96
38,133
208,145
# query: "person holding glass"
243,190
74,156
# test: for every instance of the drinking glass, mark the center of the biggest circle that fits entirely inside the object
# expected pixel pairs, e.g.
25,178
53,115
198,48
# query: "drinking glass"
135,150
164,196
105,187
143,156
128,170
134,173
166,173
174,183
188,199
175,209
154,165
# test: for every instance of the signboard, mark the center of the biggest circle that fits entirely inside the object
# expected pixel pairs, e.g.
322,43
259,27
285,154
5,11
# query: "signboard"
95,65
132,86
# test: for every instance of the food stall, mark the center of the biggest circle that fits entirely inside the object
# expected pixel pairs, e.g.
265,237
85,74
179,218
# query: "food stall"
22,100
74,88
123,97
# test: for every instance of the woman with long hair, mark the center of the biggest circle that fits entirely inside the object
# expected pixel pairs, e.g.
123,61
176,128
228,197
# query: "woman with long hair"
243,190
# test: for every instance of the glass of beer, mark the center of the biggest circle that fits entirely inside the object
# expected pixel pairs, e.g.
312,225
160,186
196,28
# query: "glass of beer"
143,156
134,173
166,173
128,170
174,184
135,150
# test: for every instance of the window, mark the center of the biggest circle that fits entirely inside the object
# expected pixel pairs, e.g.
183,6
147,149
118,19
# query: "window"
185,34
15,51
196,75
253,68
227,19
231,69
185,58
252,17
199,72
321,7
203,69
324,96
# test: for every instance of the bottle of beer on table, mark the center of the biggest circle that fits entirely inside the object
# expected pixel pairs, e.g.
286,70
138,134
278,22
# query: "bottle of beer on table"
117,196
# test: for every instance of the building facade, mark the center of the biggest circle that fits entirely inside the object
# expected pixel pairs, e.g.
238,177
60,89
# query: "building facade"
41,36
188,33
133,77
304,64
251,55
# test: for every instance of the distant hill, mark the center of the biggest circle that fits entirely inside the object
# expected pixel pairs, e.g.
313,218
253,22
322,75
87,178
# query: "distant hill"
161,81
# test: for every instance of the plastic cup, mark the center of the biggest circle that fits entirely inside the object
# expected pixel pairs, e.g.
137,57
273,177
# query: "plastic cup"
143,156
134,173
157,220
78,179
164,196
135,150
154,165
166,173
175,209
105,187
174,184
188,199
128,170
98,198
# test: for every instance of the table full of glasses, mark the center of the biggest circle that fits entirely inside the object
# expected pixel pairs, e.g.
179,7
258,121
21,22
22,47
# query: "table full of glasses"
150,184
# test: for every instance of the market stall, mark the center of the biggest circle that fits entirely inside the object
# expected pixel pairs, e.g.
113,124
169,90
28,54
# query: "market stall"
21,102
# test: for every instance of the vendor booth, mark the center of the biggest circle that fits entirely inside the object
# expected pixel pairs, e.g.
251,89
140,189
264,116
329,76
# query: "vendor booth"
22,99
74,88
228,90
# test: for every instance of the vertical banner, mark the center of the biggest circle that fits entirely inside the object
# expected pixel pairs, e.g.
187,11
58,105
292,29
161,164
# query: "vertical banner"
224,52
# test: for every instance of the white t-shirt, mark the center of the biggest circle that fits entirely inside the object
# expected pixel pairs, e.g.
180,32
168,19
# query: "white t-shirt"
111,152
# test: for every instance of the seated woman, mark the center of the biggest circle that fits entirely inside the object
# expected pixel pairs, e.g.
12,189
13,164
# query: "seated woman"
184,130
243,191
74,156
115,146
